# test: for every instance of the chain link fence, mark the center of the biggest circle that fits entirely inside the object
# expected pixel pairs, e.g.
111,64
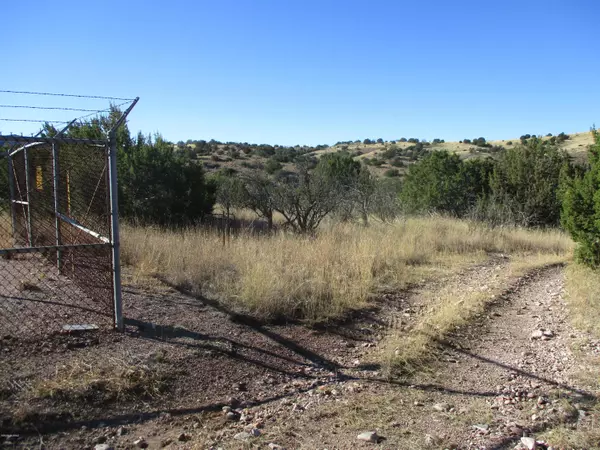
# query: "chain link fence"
56,236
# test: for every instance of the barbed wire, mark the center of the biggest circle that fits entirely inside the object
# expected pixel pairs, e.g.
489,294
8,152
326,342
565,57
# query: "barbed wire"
66,95
93,112
47,108
33,120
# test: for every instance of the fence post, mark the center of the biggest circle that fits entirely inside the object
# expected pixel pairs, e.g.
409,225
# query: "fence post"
11,186
27,191
55,185
114,217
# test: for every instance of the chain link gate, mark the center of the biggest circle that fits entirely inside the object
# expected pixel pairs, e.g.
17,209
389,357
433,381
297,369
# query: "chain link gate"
59,242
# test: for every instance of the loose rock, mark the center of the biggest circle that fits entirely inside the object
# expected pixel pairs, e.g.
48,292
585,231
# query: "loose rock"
529,442
243,436
537,334
140,443
103,447
368,436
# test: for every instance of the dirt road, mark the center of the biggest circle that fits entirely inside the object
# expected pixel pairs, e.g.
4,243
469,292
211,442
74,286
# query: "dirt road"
516,371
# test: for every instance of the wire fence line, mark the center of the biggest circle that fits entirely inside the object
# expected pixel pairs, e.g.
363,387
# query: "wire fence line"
55,237
59,239
66,95
58,108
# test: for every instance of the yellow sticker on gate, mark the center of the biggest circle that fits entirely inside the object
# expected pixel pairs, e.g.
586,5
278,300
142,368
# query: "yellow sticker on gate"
39,178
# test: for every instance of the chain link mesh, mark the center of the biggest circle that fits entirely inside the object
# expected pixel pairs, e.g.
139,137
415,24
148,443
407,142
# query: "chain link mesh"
55,235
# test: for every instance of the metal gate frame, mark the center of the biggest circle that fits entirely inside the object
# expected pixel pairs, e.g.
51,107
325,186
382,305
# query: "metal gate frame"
112,241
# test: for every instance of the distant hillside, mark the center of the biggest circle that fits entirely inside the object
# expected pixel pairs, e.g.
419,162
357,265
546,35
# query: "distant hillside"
384,158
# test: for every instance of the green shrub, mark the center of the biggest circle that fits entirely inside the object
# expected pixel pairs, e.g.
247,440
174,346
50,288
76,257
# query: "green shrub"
397,162
442,182
580,214
526,183
390,173
272,166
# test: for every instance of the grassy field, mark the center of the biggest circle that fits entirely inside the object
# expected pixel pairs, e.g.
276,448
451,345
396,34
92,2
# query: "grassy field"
323,277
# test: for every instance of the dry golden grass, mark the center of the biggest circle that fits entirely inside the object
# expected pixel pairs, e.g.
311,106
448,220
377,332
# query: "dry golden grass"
583,294
113,379
317,278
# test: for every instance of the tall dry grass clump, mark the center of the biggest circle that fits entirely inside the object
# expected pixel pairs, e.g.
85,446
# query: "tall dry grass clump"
582,295
322,276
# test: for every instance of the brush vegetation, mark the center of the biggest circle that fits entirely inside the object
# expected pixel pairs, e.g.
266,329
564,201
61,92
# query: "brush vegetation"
113,380
326,275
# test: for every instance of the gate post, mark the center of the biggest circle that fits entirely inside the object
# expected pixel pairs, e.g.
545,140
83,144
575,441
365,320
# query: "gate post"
114,221
13,209
28,192
55,188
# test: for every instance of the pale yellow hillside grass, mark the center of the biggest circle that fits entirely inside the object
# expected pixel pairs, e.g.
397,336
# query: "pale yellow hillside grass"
321,277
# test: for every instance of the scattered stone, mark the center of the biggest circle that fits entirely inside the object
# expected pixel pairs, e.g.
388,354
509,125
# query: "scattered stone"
103,447
232,416
368,436
483,427
548,333
140,443
432,439
274,446
233,402
441,407
255,432
242,387
516,430
100,440
166,442
537,334
184,437
529,442
226,409
416,403
243,436
122,431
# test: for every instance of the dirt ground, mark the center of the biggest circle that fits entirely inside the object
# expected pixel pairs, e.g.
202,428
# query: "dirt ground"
190,374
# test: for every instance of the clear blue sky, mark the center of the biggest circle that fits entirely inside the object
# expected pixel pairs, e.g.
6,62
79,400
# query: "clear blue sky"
312,72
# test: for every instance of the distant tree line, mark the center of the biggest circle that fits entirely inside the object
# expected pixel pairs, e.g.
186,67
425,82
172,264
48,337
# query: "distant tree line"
533,184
